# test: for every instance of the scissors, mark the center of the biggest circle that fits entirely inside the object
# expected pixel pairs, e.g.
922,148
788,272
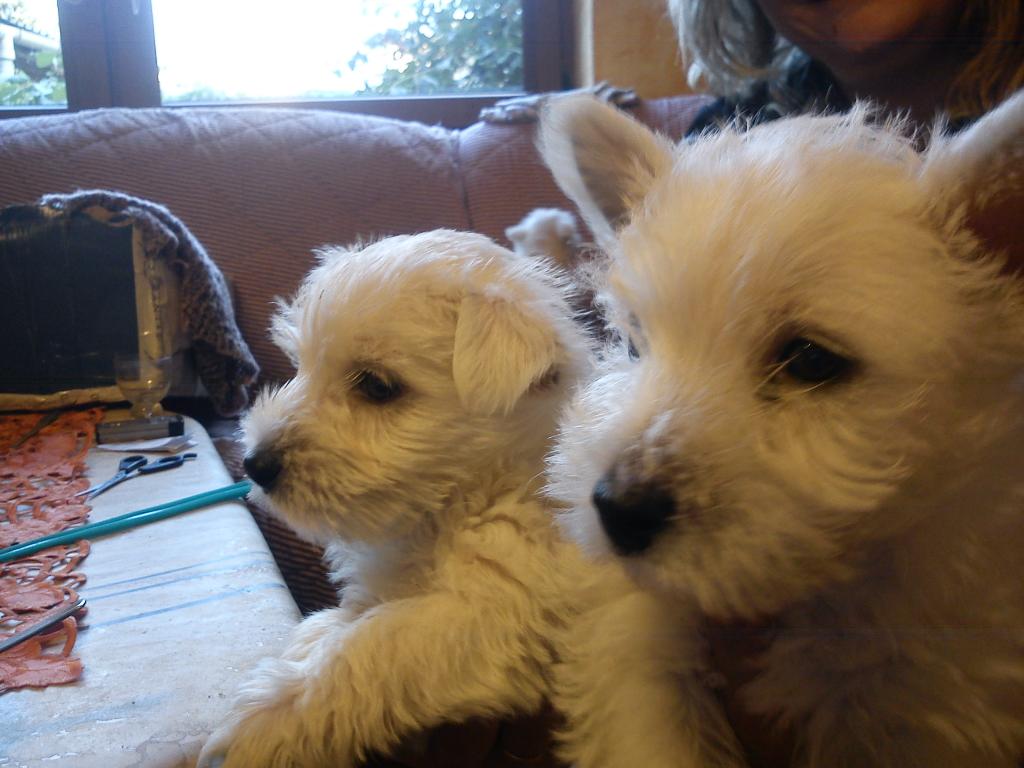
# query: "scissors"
133,466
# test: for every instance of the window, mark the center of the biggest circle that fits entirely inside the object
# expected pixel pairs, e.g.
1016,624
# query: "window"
432,60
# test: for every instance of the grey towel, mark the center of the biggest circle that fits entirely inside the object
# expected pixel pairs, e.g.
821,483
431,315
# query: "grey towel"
223,360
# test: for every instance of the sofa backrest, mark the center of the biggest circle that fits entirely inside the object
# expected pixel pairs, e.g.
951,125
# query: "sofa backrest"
262,188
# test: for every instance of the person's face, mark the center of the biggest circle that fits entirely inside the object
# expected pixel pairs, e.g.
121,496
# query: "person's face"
859,39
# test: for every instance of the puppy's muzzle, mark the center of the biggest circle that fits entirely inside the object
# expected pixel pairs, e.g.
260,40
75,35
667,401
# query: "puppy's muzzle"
632,515
264,466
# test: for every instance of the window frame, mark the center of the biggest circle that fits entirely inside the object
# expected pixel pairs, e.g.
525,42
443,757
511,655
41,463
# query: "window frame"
109,51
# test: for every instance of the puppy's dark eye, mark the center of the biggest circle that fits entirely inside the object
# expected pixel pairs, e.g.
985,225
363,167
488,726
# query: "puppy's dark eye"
633,331
375,388
631,349
810,362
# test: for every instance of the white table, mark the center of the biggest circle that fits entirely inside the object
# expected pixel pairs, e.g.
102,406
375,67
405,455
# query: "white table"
178,611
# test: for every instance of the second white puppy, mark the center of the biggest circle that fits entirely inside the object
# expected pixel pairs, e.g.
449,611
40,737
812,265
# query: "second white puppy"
819,429
431,369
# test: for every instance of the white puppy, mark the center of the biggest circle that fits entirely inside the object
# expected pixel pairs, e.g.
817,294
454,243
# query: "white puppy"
820,425
430,372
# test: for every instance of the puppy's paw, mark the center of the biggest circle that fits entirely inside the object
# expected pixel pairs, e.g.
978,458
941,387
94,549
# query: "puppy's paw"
263,739
265,728
546,233
215,750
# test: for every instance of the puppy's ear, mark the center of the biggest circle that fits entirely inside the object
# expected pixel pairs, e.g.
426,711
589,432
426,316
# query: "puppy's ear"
602,159
500,351
284,332
981,171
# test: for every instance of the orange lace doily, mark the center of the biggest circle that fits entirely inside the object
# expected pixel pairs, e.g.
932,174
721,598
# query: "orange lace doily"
38,483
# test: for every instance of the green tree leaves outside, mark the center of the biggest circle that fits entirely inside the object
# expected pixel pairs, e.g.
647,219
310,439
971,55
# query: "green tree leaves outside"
452,46
14,12
38,78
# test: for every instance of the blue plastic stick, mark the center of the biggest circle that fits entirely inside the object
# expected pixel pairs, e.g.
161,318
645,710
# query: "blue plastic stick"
128,520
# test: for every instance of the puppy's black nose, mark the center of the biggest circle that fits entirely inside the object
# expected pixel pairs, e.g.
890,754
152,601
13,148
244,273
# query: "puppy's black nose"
633,515
263,465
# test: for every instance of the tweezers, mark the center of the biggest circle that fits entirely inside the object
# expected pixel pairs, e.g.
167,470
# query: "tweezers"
42,625
44,421
128,520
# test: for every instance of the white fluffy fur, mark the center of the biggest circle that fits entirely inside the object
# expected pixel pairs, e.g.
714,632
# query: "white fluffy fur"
878,520
548,233
452,566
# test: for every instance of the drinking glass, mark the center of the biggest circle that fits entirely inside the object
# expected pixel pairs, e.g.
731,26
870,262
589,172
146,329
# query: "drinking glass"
143,381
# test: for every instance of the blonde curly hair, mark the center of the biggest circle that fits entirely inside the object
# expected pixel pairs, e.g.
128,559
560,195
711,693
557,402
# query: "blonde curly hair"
730,44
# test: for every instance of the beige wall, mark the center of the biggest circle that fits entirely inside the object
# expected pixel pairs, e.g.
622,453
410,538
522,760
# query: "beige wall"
629,43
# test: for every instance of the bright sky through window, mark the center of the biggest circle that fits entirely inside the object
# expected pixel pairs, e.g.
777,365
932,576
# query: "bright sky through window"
269,49
43,15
